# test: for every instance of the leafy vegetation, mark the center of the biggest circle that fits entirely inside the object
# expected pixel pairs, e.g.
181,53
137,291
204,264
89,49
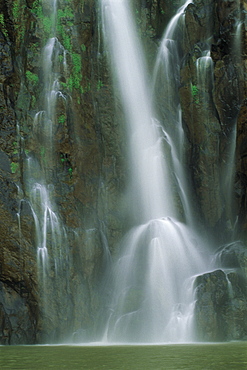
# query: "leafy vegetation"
70,172
37,9
18,12
32,77
4,30
47,24
99,85
194,93
61,118
75,78
15,145
83,47
65,16
14,167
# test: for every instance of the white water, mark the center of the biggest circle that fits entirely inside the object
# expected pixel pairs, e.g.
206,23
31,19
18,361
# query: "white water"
39,170
152,299
148,169
204,67
166,82
50,235
168,60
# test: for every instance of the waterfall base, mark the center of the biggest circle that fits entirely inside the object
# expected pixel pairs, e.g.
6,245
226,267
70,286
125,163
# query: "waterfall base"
153,292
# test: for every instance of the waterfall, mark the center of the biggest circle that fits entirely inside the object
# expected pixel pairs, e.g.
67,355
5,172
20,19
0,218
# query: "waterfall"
152,298
39,169
145,152
166,81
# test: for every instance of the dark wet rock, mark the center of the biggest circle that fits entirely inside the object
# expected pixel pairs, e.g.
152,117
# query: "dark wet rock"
17,322
221,297
221,306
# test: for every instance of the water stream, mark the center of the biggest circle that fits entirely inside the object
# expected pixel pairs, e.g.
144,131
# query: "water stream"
152,298
150,287
50,233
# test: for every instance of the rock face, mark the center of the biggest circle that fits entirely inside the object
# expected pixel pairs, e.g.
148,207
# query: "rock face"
211,97
88,177
221,306
87,168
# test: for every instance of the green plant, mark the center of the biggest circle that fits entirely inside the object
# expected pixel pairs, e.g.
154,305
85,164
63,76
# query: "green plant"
32,77
15,144
99,85
47,23
14,166
61,118
70,170
2,19
42,152
16,8
194,93
18,13
4,30
65,16
33,101
37,9
76,58
74,80
83,47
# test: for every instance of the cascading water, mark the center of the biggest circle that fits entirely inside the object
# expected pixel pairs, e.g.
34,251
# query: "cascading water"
39,169
152,299
166,80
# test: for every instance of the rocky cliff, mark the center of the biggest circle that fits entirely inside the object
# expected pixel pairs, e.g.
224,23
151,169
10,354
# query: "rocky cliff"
87,169
216,140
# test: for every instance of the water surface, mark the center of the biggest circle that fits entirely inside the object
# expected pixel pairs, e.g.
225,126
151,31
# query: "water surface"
184,356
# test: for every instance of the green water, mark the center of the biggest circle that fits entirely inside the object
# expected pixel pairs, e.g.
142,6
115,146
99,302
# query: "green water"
196,356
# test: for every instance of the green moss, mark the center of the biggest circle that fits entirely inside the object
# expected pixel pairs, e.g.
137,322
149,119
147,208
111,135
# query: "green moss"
66,38
194,93
42,152
65,16
34,47
47,24
14,167
18,12
16,9
33,101
76,58
2,19
15,150
4,30
63,85
83,47
32,77
65,13
70,170
45,20
99,85
37,9
61,118
74,80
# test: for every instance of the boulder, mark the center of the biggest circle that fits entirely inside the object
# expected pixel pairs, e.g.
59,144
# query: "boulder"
221,297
